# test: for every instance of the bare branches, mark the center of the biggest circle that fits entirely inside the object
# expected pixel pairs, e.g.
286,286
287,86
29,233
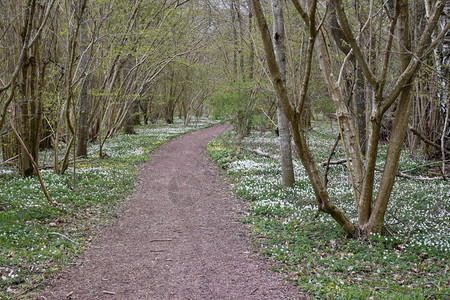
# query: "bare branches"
424,48
352,41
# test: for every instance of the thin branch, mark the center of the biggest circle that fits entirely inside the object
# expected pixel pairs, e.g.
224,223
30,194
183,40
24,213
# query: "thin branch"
387,53
425,139
353,43
301,11
350,53
407,176
423,50
36,168
332,152
443,136
62,235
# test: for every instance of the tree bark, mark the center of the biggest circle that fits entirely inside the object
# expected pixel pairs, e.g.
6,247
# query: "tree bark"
283,124
400,123
251,59
349,134
28,105
359,107
235,36
82,130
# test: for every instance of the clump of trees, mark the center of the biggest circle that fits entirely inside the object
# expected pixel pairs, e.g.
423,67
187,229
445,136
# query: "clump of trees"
370,73
74,71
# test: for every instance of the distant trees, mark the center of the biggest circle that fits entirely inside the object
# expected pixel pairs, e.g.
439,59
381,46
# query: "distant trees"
23,67
73,71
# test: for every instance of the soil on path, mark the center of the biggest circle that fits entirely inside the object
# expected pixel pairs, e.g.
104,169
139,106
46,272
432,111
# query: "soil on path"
177,237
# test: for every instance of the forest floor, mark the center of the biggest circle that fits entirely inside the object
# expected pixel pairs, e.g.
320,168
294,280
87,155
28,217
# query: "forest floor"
177,237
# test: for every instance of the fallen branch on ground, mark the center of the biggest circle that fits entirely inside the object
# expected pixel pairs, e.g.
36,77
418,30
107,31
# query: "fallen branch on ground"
267,155
407,176
343,161
333,162
399,173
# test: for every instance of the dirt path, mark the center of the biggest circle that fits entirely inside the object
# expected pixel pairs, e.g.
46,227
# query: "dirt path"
177,237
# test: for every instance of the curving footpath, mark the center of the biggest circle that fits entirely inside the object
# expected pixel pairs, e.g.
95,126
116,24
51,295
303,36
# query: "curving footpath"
177,237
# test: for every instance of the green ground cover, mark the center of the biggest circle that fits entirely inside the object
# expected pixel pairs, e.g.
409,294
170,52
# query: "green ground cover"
37,239
409,261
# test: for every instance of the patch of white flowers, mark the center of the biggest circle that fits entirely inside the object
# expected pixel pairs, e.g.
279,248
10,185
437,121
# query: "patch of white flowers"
417,209
26,193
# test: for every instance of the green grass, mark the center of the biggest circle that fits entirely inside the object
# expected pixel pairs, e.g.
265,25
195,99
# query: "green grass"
36,239
314,253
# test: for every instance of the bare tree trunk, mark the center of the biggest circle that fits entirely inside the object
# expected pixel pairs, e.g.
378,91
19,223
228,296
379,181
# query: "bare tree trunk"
283,124
400,123
84,96
241,40
251,59
27,90
235,36
349,134
132,118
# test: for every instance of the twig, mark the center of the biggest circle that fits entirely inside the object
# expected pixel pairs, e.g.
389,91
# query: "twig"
333,151
401,246
32,288
427,141
387,230
35,166
254,291
270,119
108,292
9,159
404,175
62,235
267,155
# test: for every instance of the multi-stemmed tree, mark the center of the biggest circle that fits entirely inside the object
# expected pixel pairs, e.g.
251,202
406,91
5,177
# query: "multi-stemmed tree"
389,85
